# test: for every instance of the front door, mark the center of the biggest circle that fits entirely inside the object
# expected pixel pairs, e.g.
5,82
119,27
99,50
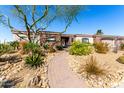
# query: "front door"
65,41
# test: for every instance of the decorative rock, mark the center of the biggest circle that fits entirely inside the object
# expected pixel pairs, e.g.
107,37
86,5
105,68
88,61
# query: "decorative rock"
6,66
15,71
36,77
10,58
35,81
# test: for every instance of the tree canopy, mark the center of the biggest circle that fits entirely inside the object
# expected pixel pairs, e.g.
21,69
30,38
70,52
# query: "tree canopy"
38,18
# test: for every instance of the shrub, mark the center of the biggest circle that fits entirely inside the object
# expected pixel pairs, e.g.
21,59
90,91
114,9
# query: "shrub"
46,46
51,50
91,67
6,48
39,51
14,44
79,48
34,60
122,46
121,59
30,47
22,44
36,55
101,47
59,47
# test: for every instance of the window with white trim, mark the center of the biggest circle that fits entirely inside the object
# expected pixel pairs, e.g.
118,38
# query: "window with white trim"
86,40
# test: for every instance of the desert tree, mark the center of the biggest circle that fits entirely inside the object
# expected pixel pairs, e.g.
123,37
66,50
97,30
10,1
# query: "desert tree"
38,18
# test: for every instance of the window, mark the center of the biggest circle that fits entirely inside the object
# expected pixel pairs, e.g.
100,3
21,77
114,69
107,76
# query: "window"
86,40
51,39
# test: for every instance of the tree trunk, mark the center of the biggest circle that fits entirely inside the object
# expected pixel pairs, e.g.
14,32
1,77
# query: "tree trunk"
27,28
28,34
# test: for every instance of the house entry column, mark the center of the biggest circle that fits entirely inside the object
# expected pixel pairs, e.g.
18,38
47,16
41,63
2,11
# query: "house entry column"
115,45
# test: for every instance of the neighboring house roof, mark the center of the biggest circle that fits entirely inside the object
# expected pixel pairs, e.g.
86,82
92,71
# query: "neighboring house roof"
23,32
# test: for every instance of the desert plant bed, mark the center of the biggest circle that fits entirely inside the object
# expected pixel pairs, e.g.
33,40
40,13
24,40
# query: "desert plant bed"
99,70
19,75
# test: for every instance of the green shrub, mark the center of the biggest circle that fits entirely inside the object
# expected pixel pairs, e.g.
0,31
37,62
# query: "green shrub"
59,47
39,51
79,48
30,47
36,54
6,48
121,59
101,47
14,44
46,46
122,46
34,60
92,68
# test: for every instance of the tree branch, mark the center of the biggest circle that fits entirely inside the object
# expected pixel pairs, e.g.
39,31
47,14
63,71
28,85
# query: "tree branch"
66,27
44,15
33,15
25,21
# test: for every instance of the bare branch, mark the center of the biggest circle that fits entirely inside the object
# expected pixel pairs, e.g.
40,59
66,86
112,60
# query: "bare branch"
33,15
44,15
66,27
19,10
6,22
25,21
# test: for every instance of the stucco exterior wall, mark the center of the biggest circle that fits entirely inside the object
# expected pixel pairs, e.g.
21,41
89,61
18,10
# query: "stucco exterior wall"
16,38
110,42
80,39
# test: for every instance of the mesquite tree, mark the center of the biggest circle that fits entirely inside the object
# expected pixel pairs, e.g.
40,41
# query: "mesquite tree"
38,18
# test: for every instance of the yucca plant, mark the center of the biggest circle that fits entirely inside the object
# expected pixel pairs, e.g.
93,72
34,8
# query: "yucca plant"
91,67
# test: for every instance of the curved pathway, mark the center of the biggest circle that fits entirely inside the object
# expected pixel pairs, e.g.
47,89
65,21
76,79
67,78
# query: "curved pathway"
60,75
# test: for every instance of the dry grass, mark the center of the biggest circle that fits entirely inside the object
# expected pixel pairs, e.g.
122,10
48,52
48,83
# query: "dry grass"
101,47
92,68
121,59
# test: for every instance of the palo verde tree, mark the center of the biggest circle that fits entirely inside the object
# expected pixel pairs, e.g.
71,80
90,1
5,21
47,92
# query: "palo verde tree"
38,18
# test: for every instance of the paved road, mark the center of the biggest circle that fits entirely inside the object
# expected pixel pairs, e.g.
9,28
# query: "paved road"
60,75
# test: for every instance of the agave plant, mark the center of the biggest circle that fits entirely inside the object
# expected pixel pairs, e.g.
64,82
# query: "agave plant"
36,55
34,60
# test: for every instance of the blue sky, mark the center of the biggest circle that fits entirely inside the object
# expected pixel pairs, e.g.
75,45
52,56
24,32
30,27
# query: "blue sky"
108,18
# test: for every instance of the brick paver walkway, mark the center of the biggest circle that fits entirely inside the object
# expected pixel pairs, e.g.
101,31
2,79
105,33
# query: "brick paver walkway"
60,75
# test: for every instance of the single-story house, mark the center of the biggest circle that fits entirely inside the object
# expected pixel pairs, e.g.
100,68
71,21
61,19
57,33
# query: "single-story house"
58,38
